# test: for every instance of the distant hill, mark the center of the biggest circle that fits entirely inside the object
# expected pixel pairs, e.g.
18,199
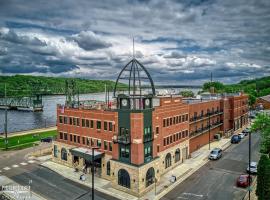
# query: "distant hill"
24,85
255,88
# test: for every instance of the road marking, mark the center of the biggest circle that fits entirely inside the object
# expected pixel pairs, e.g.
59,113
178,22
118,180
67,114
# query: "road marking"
23,163
15,166
195,195
6,168
182,198
31,161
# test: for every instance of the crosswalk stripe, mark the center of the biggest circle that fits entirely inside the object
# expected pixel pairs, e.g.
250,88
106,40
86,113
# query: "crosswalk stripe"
15,166
31,161
23,163
6,168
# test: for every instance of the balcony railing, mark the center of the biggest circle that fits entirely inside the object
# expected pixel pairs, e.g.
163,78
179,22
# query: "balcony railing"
205,116
122,139
205,129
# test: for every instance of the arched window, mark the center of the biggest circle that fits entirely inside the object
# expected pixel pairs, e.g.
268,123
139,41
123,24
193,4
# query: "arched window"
123,178
150,176
108,168
168,160
64,154
177,155
55,151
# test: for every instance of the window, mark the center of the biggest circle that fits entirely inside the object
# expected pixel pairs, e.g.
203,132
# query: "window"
87,123
164,122
99,143
173,120
105,145
78,138
64,154
105,126
110,146
157,130
164,142
92,124
157,148
180,119
202,113
78,121
83,140
108,168
150,177
83,122
65,120
123,178
92,142
124,152
98,124
70,138
74,121
60,119
183,118
168,121
186,117
65,136
147,153
168,161
61,135
75,137
168,140
87,141
179,135
177,155
176,136
183,134
55,151
110,126
70,120
186,133
171,139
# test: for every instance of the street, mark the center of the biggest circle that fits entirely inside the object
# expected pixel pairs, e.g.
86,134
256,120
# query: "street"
216,180
45,182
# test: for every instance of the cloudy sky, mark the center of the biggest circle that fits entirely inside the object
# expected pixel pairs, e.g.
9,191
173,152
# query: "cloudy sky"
177,41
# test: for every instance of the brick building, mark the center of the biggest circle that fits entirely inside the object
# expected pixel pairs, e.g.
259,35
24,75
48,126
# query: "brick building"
140,135
263,102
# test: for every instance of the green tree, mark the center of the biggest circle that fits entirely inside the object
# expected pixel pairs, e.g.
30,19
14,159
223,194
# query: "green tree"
251,99
263,182
219,87
187,93
262,124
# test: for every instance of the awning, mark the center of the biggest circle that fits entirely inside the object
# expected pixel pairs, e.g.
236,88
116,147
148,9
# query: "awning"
86,153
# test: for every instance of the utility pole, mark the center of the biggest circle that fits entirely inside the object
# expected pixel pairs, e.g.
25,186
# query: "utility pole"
209,129
249,158
6,139
93,169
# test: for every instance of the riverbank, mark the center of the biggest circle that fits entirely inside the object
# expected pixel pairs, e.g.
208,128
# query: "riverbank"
25,139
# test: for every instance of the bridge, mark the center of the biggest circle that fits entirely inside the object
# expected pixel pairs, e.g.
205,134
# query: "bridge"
32,103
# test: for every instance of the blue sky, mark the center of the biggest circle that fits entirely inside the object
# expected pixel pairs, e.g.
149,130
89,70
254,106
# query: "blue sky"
177,41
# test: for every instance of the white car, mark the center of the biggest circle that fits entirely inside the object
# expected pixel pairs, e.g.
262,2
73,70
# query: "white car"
241,135
253,168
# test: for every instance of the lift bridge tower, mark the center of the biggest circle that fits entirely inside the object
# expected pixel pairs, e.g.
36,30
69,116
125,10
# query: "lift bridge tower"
72,93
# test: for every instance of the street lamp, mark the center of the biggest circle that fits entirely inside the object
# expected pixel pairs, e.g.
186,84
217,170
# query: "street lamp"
92,169
249,158
209,137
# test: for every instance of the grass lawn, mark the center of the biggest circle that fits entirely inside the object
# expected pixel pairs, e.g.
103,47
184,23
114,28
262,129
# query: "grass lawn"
25,141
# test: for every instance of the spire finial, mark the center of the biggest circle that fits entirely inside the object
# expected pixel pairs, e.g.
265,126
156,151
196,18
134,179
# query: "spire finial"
133,49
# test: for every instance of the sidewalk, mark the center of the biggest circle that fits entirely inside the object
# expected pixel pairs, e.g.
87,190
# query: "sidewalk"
16,191
182,171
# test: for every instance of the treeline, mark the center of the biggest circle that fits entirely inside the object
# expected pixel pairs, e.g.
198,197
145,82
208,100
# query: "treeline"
24,85
255,88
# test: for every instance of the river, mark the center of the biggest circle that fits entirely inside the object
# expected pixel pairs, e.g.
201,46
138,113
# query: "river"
25,120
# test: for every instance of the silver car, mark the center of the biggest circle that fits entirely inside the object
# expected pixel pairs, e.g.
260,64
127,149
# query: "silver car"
215,154
253,168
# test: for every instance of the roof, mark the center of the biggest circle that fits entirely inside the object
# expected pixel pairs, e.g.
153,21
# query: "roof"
266,98
86,153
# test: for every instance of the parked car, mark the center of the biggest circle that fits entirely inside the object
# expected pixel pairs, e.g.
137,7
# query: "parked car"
253,168
215,154
241,135
47,139
246,131
243,180
235,139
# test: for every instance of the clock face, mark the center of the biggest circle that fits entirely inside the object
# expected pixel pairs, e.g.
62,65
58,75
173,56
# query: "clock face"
124,102
147,102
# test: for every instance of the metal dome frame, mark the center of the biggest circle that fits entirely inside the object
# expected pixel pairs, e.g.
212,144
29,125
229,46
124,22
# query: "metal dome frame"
133,67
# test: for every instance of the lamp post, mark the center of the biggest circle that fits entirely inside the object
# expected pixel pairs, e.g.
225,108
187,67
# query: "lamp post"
92,169
6,121
249,158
